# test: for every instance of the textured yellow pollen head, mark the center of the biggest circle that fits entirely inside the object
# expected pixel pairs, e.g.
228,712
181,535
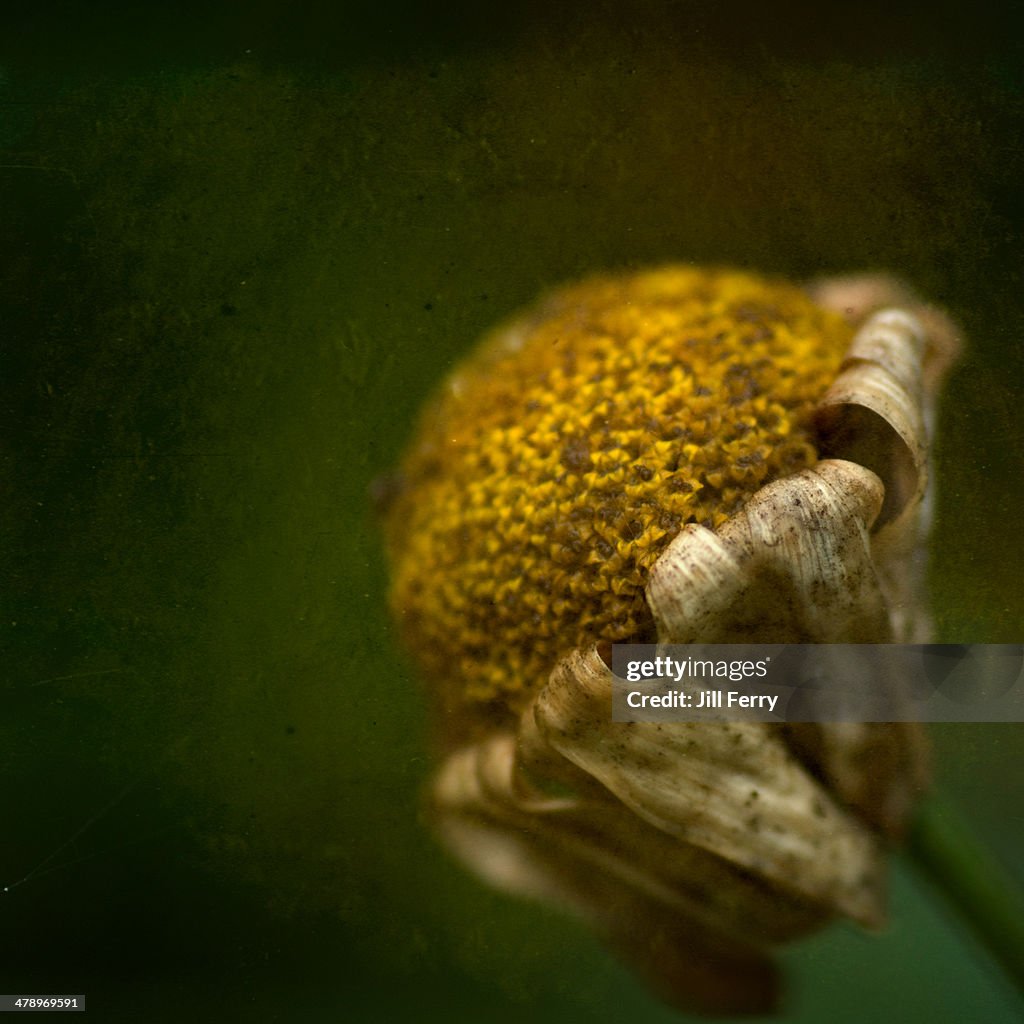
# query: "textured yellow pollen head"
561,459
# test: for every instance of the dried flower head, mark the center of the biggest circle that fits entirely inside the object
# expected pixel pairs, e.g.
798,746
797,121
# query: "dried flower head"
690,456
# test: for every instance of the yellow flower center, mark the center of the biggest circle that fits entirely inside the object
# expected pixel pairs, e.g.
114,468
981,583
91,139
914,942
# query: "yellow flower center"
564,456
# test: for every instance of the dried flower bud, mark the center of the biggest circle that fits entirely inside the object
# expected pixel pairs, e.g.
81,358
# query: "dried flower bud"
687,456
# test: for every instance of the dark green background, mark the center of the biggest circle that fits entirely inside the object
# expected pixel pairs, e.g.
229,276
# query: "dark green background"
239,247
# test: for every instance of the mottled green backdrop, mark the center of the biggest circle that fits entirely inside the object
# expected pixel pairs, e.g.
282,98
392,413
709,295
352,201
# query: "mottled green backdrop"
240,245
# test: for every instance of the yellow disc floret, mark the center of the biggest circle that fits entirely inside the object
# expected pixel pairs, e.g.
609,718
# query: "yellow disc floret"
562,458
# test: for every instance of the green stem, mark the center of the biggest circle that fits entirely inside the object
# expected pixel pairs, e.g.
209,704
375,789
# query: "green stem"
972,882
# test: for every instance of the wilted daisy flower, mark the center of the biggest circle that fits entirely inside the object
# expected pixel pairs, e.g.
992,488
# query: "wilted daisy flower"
680,455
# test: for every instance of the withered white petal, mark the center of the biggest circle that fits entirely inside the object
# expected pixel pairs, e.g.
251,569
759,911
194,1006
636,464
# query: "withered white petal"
733,789
793,565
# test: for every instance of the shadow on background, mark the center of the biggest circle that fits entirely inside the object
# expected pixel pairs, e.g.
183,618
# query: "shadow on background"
240,246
